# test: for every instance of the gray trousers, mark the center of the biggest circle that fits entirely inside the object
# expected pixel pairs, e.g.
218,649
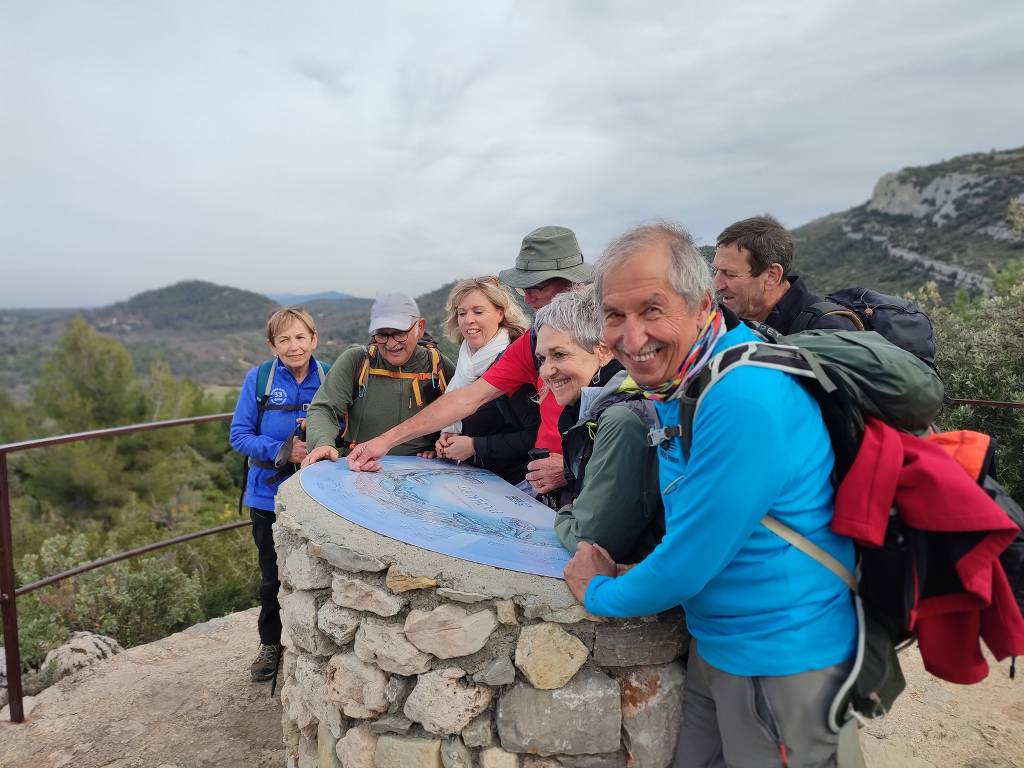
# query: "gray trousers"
757,722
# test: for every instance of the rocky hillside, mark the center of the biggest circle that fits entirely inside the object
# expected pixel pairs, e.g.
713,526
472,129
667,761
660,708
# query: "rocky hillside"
945,222
185,700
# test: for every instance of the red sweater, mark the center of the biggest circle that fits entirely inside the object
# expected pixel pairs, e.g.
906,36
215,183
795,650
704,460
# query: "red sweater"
933,493
516,368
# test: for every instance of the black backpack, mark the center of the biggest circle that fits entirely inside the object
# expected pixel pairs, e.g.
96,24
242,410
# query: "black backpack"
900,321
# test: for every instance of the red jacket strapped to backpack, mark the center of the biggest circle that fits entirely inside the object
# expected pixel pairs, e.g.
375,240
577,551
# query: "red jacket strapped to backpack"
933,494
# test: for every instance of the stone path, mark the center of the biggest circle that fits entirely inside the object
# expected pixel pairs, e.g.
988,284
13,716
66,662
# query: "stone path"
185,702
182,702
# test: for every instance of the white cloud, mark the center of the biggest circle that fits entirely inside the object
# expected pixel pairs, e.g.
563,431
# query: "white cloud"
283,147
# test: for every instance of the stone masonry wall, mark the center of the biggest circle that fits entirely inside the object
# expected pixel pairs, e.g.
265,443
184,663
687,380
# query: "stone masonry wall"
399,658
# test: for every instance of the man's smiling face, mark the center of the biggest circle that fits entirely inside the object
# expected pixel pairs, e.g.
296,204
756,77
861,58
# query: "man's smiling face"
648,326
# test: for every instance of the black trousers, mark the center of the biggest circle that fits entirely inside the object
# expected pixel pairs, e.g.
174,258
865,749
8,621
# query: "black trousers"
269,622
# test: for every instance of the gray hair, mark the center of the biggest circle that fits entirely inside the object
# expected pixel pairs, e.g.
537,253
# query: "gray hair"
575,313
689,272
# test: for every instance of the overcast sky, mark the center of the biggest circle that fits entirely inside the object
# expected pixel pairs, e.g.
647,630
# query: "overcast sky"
364,146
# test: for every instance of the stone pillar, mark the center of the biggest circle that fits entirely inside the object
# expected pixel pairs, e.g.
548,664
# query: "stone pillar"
398,656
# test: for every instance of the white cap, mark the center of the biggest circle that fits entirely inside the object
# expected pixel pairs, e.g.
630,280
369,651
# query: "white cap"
393,310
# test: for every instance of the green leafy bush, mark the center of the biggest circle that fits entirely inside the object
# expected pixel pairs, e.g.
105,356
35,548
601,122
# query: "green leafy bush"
981,357
79,502
139,601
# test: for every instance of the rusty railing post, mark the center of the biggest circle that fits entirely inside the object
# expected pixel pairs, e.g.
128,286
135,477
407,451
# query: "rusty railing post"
8,600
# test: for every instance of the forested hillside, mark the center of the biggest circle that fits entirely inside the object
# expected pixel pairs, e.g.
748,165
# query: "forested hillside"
82,501
209,333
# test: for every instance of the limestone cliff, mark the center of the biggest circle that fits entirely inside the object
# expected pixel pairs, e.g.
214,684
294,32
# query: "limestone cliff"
945,222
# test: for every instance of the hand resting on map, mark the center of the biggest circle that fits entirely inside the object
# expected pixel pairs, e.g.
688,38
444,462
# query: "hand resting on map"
589,561
323,452
365,456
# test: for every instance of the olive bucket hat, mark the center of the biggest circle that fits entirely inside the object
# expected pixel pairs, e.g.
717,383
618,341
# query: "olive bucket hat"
546,253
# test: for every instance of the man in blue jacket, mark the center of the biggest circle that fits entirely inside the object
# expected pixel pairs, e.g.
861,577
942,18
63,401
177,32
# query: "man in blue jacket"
267,429
773,630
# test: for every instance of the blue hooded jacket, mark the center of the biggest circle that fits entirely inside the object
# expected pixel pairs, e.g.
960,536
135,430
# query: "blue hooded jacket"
276,427
754,604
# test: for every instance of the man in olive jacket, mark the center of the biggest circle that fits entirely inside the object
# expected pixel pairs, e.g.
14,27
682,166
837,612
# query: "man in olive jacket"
400,378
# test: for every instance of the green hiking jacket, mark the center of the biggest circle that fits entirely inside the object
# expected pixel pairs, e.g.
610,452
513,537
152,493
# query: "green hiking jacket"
385,403
619,506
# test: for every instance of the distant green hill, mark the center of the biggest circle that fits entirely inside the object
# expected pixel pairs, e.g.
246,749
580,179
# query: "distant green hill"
945,222
188,305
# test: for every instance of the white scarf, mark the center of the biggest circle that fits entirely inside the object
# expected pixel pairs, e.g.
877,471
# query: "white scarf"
471,366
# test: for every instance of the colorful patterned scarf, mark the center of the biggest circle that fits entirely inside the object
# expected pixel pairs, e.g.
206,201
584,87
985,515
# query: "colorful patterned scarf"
695,360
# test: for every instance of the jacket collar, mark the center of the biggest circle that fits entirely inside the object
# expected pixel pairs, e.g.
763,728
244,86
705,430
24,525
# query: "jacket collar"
793,301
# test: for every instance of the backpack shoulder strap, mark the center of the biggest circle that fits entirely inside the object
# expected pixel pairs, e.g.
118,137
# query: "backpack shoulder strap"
322,369
810,549
809,315
436,375
265,379
363,376
779,357
436,369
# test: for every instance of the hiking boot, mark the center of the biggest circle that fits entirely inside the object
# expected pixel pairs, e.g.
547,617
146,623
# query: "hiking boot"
264,665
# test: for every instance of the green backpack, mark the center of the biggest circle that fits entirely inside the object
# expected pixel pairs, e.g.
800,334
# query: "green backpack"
852,374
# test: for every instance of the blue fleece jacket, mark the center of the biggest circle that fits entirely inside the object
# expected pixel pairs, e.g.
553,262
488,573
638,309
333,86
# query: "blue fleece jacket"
274,429
754,604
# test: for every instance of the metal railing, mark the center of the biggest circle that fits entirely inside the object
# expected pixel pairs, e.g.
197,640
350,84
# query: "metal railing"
9,593
988,403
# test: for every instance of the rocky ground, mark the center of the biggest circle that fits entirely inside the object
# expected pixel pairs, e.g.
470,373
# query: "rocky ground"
185,702
940,725
182,702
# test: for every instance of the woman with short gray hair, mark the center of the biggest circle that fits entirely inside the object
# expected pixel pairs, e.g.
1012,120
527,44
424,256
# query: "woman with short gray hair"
612,497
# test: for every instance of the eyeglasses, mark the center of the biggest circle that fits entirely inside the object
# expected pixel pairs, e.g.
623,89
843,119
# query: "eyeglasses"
399,336
538,288
487,280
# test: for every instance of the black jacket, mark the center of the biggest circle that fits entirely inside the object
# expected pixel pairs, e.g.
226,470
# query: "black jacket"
796,300
503,430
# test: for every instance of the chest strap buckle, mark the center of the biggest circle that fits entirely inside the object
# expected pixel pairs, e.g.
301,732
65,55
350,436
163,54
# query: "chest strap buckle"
659,435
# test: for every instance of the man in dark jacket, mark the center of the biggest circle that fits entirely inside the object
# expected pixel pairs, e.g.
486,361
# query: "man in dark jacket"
752,266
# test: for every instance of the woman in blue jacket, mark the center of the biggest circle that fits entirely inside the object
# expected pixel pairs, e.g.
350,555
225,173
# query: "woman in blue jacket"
268,429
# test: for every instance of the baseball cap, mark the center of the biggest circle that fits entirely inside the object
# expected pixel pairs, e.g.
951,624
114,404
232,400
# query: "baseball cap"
393,310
